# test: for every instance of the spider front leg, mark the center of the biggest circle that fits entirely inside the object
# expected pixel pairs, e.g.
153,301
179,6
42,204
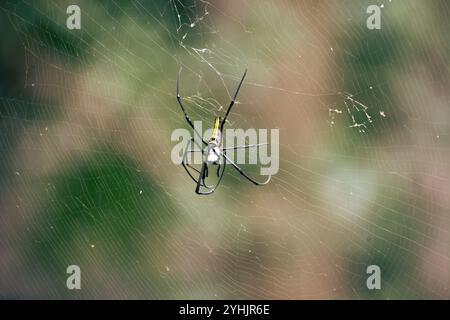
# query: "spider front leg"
186,116
233,101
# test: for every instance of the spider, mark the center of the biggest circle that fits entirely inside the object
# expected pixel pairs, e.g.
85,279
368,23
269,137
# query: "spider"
213,151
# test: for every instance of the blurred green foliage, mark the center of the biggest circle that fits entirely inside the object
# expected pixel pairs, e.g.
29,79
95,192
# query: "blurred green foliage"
96,209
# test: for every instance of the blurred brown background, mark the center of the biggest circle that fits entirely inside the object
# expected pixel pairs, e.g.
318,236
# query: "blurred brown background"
86,177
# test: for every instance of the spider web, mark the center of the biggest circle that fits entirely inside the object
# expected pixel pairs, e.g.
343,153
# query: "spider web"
86,176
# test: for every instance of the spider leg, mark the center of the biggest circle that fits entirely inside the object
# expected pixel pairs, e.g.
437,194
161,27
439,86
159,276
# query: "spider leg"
188,119
186,165
201,179
204,176
217,162
198,191
244,174
184,161
233,101
246,146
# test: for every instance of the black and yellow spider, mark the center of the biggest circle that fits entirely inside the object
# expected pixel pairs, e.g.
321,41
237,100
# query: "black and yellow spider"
213,151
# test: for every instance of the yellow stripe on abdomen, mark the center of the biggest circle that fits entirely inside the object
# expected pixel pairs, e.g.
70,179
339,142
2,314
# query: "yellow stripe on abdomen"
215,133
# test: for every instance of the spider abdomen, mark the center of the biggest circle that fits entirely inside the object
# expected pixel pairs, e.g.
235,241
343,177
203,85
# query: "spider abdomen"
216,135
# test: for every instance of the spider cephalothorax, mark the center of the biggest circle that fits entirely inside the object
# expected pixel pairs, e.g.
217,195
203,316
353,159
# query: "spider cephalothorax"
213,151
